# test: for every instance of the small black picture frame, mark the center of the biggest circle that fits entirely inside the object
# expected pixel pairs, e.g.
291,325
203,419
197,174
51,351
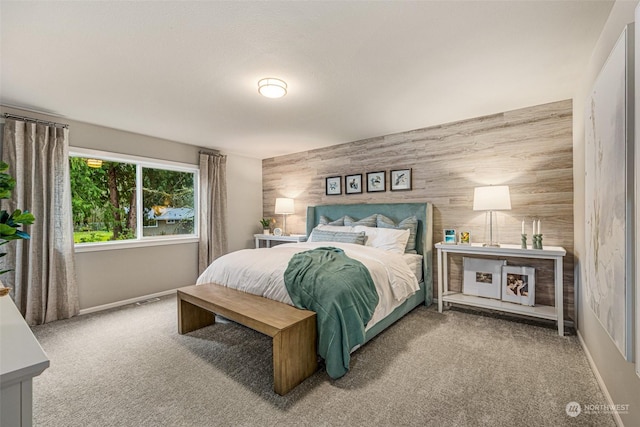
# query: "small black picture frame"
333,186
376,182
353,184
400,180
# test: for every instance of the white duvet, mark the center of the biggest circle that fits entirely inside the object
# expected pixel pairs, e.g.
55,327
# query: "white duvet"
261,272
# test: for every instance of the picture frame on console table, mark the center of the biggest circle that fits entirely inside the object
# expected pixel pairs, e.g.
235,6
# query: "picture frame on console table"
465,237
482,277
449,236
519,285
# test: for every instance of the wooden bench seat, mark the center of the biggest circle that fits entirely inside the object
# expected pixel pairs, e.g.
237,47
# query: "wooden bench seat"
293,330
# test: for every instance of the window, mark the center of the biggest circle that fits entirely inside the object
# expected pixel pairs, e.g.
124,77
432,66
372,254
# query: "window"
129,199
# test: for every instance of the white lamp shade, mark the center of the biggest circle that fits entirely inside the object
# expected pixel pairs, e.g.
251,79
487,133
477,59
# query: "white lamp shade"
492,198
284,206
272,88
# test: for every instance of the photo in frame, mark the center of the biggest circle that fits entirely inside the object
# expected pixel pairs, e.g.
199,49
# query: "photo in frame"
465,237
333,186
449,236
353,184
400,179
482,277
376,182
518,285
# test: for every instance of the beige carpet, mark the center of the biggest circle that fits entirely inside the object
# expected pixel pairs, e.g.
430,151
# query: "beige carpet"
129,367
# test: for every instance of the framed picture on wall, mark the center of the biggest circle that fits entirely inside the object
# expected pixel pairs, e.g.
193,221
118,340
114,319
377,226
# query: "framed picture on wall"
333,186
376,182
353,184
400,180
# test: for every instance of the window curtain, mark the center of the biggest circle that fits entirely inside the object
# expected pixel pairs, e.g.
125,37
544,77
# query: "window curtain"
213,209
43,277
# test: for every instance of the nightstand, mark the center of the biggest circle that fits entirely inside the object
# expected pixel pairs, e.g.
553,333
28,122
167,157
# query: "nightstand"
268,238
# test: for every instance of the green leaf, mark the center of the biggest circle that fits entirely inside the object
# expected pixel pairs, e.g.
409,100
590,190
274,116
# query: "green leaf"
6,230
25,217
22,235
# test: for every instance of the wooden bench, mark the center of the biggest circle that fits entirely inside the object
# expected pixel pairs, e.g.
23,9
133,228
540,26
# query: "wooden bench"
293,330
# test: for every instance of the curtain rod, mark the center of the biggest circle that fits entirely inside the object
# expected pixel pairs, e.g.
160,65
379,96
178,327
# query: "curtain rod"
30,119
212,152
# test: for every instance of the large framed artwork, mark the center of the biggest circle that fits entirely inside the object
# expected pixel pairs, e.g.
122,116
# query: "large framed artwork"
609,196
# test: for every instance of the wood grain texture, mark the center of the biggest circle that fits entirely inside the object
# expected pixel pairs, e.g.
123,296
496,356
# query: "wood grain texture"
529,149
293,330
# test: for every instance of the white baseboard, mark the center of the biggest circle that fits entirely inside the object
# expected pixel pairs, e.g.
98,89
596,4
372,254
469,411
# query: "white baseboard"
601,383
125,302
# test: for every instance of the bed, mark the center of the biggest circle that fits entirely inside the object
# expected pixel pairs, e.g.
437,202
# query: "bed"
234,271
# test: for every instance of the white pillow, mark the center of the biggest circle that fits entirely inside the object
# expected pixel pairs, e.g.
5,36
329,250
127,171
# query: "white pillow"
338,228
387,239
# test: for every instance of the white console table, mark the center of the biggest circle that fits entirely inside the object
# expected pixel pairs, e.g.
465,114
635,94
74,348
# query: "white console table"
554,253
21,359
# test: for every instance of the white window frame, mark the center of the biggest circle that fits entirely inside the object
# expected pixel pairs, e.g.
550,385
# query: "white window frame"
140,162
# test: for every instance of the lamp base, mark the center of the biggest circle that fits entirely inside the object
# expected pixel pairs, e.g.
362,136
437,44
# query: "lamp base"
491,245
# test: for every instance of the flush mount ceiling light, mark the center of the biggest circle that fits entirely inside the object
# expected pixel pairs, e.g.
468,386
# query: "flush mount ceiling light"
272,88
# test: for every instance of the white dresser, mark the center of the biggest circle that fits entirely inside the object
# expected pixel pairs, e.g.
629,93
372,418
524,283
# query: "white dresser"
21,359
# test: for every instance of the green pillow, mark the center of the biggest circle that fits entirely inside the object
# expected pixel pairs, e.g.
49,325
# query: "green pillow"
369,221
326,221
337,236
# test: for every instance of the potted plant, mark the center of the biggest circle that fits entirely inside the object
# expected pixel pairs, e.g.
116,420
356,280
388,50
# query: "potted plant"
265,222
10,223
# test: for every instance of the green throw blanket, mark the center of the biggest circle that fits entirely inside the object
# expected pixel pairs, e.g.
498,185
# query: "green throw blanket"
341,292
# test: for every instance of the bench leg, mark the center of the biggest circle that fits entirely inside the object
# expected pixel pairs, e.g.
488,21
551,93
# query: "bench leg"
294,355
192,317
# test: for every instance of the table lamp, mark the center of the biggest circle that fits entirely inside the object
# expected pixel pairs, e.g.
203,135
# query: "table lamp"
284,206
492,198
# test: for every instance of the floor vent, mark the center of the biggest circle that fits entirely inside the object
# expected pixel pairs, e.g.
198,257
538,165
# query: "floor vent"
147,301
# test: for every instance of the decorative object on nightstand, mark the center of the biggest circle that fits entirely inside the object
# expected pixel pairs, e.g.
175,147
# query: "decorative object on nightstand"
537,235
284,206
492,198
277,231
465,237
449,236
523,237
482,277
518,285
265,222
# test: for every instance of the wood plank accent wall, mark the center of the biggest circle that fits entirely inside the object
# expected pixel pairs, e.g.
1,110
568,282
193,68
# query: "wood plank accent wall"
529,149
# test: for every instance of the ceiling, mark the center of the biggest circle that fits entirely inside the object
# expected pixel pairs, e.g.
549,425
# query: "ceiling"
187,71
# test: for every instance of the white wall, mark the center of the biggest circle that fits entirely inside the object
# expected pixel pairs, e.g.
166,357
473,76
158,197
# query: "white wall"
106,277
618,375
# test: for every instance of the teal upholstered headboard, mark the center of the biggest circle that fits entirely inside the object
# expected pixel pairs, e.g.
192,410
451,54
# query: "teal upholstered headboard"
395,211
